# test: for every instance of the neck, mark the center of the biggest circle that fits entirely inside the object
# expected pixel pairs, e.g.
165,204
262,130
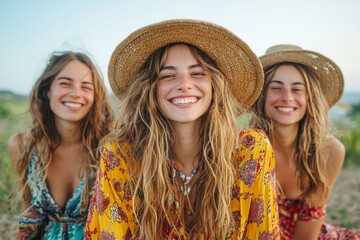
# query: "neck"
284,138
69,132
186,147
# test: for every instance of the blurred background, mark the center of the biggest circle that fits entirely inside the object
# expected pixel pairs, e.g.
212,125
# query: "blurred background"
31,30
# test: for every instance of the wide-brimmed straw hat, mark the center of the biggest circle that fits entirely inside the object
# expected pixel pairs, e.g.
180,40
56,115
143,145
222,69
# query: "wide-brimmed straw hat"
233,56
329,74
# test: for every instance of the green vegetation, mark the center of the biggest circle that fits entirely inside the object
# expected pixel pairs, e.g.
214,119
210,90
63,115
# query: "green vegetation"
349,129
12,117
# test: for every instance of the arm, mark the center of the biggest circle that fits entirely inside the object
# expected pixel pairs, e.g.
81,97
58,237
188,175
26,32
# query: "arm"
110,212
263,219
31,222
310,229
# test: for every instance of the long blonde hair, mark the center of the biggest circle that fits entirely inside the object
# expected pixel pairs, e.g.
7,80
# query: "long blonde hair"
143,124
43,135
312,135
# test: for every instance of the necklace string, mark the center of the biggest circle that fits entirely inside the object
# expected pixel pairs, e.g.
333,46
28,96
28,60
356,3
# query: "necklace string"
184,188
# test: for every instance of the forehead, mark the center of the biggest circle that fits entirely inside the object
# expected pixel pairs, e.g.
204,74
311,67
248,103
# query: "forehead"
76,70
288,74
180,53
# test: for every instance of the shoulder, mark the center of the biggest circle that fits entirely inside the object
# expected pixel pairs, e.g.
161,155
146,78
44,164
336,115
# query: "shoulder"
121,148
15,140
254,154
117,154
335,151
250,137
14,147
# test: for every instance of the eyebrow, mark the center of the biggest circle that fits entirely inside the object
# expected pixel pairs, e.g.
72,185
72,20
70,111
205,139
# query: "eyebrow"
280,82
172,67
69,79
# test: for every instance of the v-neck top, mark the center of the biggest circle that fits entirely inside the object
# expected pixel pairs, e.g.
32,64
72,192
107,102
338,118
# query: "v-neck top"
53,222
254,210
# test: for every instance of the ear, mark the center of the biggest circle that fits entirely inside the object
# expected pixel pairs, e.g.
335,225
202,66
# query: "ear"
48,94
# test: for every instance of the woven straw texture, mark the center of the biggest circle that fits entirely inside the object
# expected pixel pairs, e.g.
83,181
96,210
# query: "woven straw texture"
236,60
329,74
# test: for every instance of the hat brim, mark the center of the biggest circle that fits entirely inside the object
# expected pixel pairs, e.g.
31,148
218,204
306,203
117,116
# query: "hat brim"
329,74
235,59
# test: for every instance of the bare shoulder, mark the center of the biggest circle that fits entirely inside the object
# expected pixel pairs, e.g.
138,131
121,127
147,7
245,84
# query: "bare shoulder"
336,155
14,146
336,152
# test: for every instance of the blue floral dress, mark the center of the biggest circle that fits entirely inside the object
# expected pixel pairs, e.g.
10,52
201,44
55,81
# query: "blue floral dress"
52,222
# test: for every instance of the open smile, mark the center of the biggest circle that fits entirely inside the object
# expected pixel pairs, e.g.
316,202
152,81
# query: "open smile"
72,104
184,100
286,109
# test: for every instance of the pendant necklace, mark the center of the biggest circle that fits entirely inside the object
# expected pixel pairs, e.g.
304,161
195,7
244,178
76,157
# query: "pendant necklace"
184,188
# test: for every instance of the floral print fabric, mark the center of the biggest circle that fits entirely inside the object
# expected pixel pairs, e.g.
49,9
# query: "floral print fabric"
52,222
293,210
253,205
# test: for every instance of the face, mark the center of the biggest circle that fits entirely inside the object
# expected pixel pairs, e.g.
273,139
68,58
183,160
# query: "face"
286,96
71,93
184,90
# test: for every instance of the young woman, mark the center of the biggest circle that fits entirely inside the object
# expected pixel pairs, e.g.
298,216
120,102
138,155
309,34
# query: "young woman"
300,87
176,167
56,158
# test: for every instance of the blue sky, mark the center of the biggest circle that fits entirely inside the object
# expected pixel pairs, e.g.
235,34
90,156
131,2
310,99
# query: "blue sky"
31,30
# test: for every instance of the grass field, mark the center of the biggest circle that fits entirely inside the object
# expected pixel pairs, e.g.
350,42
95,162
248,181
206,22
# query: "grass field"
343,208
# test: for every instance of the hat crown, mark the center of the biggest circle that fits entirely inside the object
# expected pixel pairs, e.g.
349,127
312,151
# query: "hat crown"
282,47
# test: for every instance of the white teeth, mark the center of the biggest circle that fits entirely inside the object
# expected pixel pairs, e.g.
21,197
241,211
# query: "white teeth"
286,109
73,105
184,100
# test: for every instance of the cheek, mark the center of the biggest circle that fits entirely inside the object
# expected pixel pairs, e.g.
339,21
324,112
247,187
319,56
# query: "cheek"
161,92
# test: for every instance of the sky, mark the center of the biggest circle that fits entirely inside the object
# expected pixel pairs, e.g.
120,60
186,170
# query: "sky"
31,30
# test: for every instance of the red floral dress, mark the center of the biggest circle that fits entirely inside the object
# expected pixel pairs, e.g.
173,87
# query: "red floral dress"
291,211
253,204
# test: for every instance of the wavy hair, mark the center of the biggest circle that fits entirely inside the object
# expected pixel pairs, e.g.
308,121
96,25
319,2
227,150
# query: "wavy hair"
310,158
43,135
143,124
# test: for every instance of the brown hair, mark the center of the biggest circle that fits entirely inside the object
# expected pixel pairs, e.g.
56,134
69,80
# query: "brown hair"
143,124
43,135
310,155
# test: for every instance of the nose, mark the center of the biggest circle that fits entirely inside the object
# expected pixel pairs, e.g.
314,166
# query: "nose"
75,91
184,82
287,95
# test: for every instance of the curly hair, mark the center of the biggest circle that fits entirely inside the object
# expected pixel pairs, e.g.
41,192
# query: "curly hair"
143,124
43,135
312,135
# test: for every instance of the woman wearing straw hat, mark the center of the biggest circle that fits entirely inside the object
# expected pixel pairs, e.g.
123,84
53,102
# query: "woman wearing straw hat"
300,87
176,167
56,158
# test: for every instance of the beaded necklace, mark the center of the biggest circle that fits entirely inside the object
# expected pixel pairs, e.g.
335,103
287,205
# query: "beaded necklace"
185,189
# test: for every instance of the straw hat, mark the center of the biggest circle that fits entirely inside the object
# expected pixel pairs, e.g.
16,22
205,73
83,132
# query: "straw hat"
329,74
235,59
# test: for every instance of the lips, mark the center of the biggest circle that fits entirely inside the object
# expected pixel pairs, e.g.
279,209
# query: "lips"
184,100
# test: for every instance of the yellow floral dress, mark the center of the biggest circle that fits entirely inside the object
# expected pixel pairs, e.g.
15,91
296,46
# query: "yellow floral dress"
253,204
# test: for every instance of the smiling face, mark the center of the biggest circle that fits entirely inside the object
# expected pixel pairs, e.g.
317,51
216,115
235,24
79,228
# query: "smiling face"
71,93
286,96
184,89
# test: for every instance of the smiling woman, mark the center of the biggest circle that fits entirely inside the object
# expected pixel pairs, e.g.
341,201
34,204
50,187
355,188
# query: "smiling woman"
176,167
57,157
300,87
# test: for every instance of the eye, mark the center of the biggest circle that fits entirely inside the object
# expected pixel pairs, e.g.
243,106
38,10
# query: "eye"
298,89
88,88
64,83
275,88
197,74
166,76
